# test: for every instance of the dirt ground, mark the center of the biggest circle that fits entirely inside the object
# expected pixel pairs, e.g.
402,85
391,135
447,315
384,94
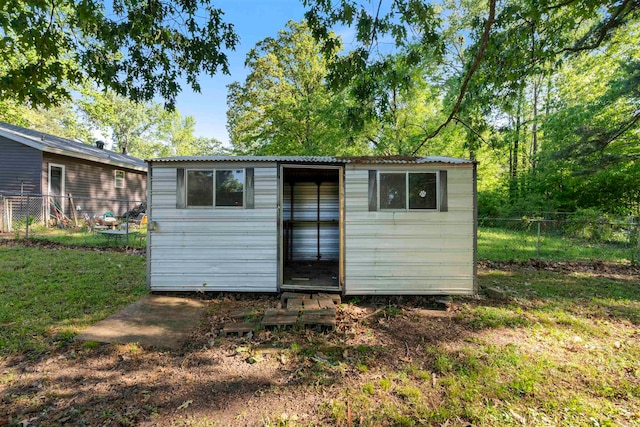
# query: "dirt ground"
271,377
253,380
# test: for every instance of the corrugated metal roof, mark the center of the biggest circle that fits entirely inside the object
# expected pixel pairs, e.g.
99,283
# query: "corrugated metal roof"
316,159
51,143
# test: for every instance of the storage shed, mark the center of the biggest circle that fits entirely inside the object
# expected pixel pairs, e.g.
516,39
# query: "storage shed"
355,225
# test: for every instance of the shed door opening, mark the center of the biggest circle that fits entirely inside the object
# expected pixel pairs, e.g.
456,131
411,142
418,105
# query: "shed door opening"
311,228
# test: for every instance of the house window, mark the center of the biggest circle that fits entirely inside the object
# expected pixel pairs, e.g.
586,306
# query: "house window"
119,181
228,185
399,190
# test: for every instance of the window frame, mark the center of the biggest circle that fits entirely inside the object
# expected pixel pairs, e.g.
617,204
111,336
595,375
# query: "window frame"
214,173
116,179
407,193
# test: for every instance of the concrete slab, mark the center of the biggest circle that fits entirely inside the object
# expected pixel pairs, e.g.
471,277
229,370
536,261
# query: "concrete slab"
154,320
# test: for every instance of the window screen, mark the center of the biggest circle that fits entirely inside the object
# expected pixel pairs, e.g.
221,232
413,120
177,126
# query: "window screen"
393,190
230,188
422,191
199,188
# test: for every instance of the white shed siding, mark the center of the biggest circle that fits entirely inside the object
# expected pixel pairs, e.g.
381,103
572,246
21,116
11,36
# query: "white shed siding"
409,252
213,249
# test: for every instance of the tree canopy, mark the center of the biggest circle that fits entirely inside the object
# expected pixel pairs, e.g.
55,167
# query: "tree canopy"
284,106
544,94
138,48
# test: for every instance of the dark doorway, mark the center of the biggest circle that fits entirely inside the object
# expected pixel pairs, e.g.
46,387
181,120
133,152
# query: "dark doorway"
311,228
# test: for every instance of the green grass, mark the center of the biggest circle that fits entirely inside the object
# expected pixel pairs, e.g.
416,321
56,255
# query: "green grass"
498,244
81,237
48,295
563,350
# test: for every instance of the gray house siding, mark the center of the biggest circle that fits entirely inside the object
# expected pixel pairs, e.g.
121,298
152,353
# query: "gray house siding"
86,179
19,167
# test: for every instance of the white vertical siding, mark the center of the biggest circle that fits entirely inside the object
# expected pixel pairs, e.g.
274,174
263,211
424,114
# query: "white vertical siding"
409,252
213,249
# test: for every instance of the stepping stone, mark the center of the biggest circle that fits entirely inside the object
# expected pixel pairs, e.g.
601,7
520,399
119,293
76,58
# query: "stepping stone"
294,304
335,298
321,312
326,303
239,328
275,317
322,320
311,304
291,295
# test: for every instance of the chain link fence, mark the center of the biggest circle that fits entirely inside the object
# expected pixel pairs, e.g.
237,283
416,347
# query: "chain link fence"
560,237
21,212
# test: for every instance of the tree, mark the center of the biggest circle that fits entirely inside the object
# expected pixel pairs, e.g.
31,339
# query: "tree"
284,107
178,135
138,48
144,130
132,126
61,120
514,39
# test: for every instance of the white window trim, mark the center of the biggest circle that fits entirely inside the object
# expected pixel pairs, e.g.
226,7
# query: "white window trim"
406,183
214,171
115,178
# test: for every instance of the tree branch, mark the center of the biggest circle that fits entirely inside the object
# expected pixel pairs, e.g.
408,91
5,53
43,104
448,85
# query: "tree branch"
475,132
625,127
613,21
463,89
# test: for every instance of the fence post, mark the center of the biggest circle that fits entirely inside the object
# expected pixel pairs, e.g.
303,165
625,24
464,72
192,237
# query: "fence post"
127,219
538,248
26,234
10,215
638,258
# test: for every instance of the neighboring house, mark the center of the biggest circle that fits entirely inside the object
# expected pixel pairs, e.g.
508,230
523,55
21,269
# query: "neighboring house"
359,225
33,162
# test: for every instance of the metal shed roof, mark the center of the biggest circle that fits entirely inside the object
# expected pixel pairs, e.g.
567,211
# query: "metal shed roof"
317,159
66,147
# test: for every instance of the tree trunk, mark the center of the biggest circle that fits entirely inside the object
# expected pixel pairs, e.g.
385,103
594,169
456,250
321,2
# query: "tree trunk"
534,128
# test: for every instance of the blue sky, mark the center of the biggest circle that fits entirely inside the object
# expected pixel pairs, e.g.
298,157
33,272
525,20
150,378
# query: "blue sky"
253,21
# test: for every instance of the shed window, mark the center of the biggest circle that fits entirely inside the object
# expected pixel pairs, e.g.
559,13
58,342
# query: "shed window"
399,190
119,179
393,191
228,184
199,188
230,188
422,191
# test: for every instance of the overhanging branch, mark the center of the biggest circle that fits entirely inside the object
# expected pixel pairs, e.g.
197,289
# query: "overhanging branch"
463,89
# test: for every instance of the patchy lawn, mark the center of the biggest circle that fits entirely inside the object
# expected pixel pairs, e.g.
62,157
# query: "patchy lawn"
49,294
562,350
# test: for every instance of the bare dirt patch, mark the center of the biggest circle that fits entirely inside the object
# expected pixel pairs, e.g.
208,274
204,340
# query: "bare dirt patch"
390,361
600,268
268,377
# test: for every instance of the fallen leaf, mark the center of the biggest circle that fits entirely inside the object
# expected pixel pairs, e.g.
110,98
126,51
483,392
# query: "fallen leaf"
185,404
